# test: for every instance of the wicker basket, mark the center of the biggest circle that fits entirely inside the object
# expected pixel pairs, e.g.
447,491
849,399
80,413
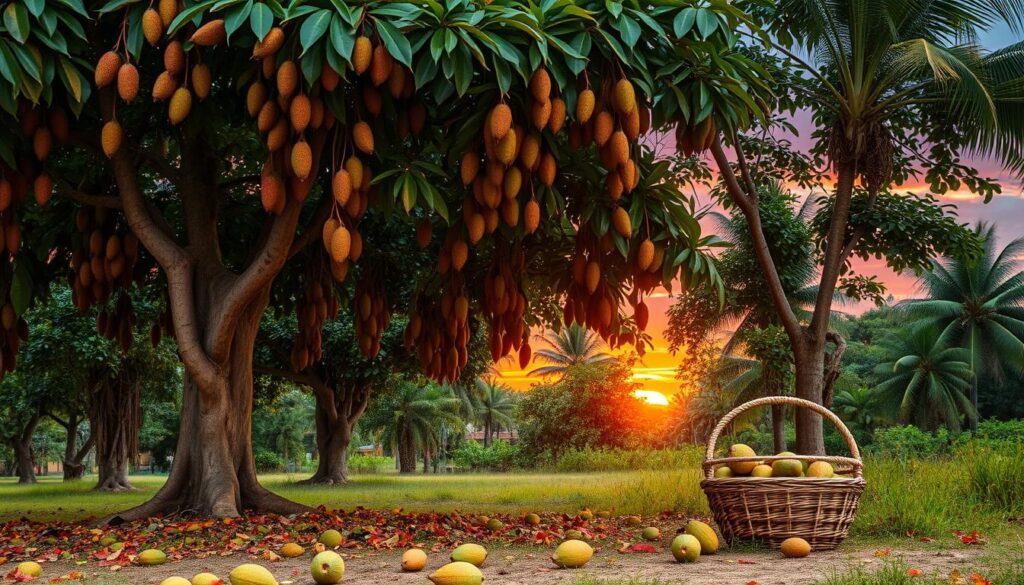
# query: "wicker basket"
772,509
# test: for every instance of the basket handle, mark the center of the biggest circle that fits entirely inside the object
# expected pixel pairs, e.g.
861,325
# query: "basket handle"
851,443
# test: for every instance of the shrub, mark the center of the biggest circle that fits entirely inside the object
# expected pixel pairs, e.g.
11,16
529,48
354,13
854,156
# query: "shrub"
1011,431
909,442
268,461
500,456
369,463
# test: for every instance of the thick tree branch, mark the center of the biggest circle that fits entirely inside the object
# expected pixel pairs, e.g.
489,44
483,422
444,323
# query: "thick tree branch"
261,271
176,262
160,164
790,322
86,447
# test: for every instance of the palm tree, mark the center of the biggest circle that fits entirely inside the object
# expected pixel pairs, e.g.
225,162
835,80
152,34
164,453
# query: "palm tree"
412,418
495,407
887,82
860,408
978,304
571,346
925,380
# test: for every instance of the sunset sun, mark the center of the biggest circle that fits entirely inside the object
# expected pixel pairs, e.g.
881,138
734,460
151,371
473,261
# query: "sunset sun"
652,397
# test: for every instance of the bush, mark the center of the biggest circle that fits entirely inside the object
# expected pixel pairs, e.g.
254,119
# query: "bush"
1010,431
369,463
595,460
268,461
500,456
910,442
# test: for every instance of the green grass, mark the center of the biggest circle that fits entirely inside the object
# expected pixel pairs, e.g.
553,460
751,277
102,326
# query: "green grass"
647,492
898,573
978,490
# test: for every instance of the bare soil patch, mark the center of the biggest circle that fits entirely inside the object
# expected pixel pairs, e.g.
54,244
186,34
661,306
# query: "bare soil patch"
530,566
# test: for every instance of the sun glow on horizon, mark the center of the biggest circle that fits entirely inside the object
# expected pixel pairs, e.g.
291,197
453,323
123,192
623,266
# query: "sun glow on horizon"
652,397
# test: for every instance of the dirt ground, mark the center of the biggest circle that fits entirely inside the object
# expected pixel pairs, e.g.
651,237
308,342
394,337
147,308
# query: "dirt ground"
530,566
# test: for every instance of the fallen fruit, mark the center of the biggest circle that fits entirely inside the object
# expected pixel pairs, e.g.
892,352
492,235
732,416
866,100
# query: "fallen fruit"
251,574
705,535
651,533
457,573
291,550
686,548
532,519
795,548
30,569
414,559
327,568
572,554
473,554
331,538
151,556
175,581
207,579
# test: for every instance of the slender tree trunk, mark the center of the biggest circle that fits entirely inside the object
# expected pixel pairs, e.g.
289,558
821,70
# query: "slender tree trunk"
116,415
74,469
487,432
779,427
214,474
426,460
406,453
336,419
24,464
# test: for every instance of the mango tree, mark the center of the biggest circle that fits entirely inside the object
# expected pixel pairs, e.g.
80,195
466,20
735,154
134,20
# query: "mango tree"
228,136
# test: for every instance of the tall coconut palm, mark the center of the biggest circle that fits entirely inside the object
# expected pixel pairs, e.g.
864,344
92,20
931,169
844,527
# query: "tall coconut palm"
925,380
411,420
891,85
495,407
978,304
571,346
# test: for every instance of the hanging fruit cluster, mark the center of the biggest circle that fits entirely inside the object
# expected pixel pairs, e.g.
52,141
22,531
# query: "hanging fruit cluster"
42,127
440,330
317,304
15,331
350,189
371,314
505,305
103,256
695,138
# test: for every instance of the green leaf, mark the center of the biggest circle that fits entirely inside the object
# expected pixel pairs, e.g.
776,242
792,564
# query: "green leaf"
343,40
115,5
69,75
313,28
395,42
187,15
261,20
707,22
503,74
21,287
36,7
237,16
16,21
683,21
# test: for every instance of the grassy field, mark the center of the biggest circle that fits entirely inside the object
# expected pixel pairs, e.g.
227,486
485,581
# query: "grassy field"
979,490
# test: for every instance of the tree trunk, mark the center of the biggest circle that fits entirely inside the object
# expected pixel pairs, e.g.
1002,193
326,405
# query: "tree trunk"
74,469
116,415
426,460
24,464
214,474
406,453
487,432
810,363
779,427
336,418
